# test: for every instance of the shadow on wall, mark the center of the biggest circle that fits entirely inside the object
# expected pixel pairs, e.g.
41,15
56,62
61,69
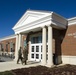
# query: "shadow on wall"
58,36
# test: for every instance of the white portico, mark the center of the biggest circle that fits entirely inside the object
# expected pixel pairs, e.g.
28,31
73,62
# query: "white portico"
34,21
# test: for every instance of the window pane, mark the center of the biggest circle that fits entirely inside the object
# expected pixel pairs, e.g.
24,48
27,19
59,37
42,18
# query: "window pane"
2,46
41,48
37,39
46,38
11,45
46,48
40,39
32,48
37,56
47,56
37,48
31,39
32,55
41,56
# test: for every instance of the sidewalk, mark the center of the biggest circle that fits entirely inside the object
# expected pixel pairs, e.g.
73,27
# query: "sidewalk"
10,65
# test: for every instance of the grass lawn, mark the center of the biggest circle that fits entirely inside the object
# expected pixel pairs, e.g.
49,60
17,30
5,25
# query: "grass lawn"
6,73
42,70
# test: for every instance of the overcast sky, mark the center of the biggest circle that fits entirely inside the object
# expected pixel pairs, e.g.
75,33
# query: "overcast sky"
12,10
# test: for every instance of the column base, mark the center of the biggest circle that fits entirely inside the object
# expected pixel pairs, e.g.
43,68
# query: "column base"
52,65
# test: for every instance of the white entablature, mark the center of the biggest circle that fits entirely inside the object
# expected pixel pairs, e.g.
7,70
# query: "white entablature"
36,19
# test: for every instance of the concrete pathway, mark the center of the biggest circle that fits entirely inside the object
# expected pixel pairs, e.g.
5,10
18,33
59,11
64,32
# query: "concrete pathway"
10,65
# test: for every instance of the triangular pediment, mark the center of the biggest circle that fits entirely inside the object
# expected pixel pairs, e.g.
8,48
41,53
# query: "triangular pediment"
31,16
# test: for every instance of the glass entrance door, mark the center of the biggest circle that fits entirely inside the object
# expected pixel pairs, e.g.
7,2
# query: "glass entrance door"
36,43
36,52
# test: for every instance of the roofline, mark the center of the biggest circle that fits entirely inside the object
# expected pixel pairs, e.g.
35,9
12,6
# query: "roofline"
27,11
71,18
71,21
45,11
8,37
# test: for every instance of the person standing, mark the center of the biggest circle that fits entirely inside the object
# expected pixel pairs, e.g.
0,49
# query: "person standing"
19,55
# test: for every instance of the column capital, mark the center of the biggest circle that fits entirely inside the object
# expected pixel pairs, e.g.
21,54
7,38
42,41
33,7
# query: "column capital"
48,25
44,26
20,33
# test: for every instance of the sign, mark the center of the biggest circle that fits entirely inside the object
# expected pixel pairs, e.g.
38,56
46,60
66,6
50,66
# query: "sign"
72,34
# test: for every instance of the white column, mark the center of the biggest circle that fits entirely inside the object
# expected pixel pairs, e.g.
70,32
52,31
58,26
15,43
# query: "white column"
20,41
16,48
50,53
44,46
29,51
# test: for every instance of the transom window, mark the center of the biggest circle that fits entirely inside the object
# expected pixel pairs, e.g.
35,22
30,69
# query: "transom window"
36,39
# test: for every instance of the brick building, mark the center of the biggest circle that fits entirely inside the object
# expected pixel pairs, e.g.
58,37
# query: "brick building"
51,38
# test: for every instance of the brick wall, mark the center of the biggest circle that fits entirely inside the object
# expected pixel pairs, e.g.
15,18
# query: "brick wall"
4,42
68,46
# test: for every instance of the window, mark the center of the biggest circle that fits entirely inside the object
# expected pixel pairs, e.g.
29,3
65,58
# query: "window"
11,50
32,56
40,39
6,47
2,47
37,39
47,56
32,48
37,48
37,56
46,48
41,48
41,56
13,47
